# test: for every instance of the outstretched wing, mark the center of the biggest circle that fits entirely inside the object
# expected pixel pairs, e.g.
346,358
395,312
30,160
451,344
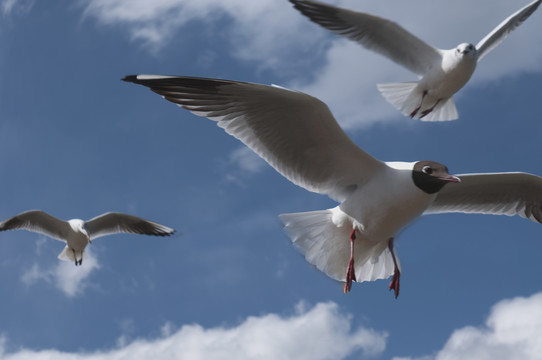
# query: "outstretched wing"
498,34
40,222
294,132
380,35
113,223
498,193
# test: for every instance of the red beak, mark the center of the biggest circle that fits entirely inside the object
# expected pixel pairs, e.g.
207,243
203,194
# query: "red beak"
451,178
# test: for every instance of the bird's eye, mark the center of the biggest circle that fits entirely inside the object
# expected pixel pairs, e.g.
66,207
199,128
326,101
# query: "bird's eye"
427,170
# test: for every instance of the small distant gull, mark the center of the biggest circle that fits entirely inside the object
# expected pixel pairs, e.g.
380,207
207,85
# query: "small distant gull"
442,72
299,137
78,233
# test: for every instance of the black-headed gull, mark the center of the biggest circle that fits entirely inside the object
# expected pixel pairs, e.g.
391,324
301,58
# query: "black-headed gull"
442,72
77,234
298,136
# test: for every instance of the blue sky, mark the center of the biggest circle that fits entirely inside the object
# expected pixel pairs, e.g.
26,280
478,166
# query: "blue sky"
76,142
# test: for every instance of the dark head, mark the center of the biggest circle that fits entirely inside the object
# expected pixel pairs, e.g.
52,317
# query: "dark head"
430,176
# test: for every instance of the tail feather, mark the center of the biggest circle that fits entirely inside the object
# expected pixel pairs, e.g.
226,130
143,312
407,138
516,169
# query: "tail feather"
400,95
68,255
323,237
403,97
444,111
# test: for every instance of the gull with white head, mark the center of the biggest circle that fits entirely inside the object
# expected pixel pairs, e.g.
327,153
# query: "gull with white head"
442,72
77,234
299,137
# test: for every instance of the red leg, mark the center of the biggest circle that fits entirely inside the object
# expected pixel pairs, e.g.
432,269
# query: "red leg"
394,284
425,112
350,273
415,111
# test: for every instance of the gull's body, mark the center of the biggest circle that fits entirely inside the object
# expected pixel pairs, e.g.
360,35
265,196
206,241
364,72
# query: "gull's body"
298,136
442,72
77,234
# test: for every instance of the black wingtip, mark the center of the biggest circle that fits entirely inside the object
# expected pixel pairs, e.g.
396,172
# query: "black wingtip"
130,78
168,233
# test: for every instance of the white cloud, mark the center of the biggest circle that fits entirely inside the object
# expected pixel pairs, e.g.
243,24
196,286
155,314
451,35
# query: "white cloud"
71,280
254,33
512,331
65,276
322,332
242,162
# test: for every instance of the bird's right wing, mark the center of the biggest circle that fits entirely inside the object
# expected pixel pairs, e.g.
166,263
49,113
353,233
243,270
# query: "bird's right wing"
497,35
294,132
38,221
497,194
375,33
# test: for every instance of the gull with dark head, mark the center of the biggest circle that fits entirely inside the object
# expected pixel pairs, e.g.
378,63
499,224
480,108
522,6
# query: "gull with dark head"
442,72
77,234
299,137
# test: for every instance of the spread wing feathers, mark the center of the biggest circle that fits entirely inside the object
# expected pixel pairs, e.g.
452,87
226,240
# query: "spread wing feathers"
113,223
380,35
38,221
294,132
498,34
499,194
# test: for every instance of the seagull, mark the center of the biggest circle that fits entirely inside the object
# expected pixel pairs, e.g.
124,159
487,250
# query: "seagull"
442,72
299,137
77,234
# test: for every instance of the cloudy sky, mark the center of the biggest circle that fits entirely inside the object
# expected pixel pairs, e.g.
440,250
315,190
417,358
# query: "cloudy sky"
76,141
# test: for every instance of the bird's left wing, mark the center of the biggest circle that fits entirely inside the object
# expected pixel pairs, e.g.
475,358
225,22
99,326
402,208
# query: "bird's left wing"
375,33
498,34
497,193
294,132
113,223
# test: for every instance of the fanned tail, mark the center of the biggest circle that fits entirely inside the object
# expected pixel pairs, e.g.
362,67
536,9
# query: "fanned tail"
403,97
323,237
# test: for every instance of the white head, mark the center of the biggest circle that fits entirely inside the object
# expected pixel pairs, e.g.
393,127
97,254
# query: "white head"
78,226
466,50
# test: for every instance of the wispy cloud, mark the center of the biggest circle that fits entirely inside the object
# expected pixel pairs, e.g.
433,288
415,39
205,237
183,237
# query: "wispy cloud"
242,162
71,280
246,160
16,6
265,337
512,331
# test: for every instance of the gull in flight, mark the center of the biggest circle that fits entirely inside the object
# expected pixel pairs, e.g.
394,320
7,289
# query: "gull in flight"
77,234
442,72
299,137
